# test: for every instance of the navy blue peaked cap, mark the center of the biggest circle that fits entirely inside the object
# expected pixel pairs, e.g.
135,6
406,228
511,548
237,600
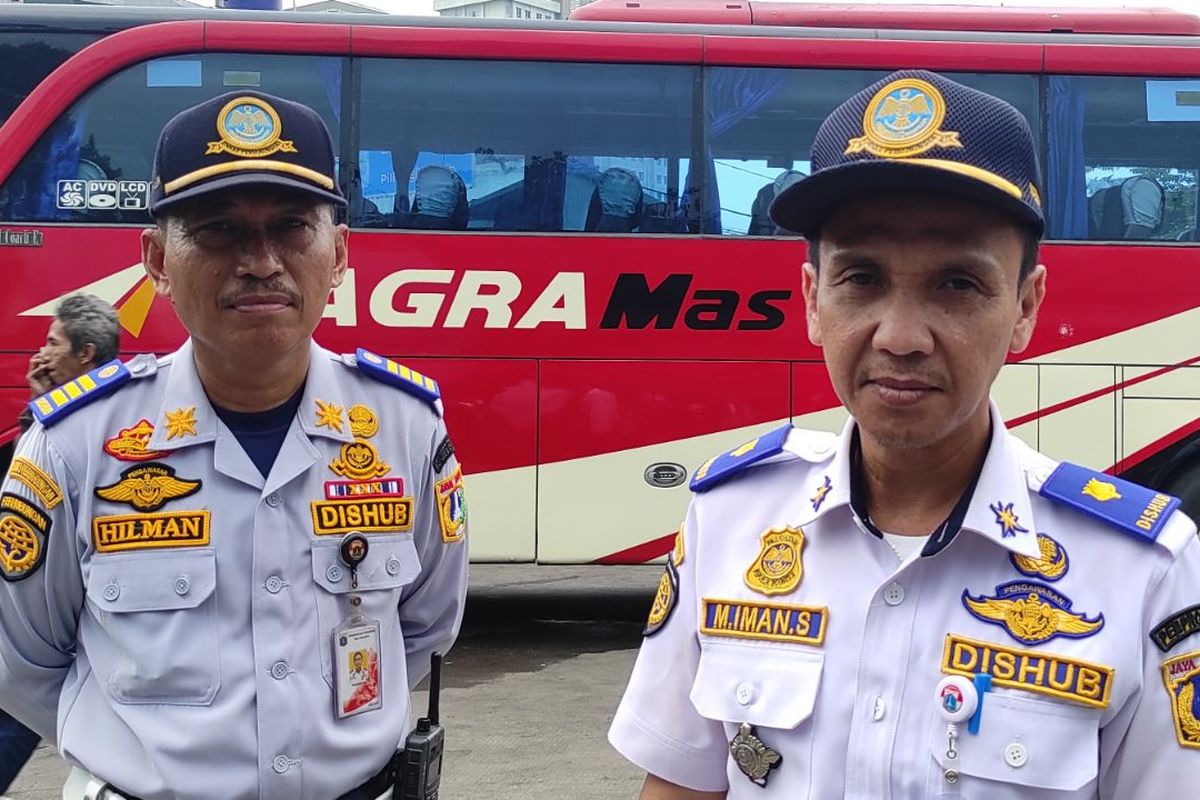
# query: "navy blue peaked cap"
242,139
918,131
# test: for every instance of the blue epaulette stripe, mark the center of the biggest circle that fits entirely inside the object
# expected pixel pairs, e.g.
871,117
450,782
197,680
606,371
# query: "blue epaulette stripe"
73,395
390,372
1134,509
723,466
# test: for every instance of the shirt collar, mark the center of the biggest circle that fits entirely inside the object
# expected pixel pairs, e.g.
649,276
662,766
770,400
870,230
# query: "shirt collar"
186,416
998,492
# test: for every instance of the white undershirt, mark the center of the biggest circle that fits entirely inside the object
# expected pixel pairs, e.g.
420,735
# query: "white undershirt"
905,546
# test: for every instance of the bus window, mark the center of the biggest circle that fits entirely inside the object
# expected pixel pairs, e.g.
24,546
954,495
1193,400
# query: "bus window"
30,57
93,165
761,123
1123,158
536,146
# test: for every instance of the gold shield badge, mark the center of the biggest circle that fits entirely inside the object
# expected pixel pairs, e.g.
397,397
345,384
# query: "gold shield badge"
1181,675
777,569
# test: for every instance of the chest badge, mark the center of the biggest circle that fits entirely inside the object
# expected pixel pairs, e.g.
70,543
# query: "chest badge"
752,755
148,487
1032,613
359,461
777,569
1050,564
363,422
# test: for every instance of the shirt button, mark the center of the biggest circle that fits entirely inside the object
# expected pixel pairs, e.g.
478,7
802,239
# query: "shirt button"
393,565
274,584
279,670
281,764
879,711
893,595
112,592
182,585
334,573
744,694
273,499
1015,755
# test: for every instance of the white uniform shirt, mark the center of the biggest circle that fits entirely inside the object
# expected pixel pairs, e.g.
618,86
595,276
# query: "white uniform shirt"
204,669
843,687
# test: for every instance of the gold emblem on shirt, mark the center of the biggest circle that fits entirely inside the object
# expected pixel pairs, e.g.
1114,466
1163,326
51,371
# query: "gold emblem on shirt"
359,461
1102,491
1051,562
1181,676
363,422
181,422
329,415
148,487
777,569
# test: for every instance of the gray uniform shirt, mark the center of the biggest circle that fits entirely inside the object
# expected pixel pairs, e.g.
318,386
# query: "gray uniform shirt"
172,627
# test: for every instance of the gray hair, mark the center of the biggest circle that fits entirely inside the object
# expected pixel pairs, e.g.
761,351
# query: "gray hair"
87,319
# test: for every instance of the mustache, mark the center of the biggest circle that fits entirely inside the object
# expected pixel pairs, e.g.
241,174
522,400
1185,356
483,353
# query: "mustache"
254,287
904,369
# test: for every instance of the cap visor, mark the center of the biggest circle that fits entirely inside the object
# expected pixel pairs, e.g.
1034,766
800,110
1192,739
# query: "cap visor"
804,206
245,180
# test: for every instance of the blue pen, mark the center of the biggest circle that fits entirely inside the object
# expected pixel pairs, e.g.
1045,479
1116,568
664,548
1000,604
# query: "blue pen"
983,685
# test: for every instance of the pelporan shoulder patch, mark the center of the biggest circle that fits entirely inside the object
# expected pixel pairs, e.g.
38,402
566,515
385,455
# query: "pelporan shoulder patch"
1134,509
1181,677
1175,628
665,601
720,467
74,395
390,372
37,480
23,532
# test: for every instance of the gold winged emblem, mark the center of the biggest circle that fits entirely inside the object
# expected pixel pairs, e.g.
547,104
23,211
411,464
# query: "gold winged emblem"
1031,613
148,487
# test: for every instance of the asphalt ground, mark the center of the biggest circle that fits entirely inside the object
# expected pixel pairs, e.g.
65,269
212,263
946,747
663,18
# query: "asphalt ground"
527,692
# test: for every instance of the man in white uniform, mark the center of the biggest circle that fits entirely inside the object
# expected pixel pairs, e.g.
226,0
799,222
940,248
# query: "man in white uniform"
192,547
921,607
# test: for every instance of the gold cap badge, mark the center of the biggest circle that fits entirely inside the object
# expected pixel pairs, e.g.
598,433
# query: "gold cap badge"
904,119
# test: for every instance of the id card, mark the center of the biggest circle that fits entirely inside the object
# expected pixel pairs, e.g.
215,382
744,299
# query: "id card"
357,667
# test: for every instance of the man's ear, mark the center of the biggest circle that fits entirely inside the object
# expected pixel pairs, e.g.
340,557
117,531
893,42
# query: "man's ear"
154,260
812,315
1032,292
87,354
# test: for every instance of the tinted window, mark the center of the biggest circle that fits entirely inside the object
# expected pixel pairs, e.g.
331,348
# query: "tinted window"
761,124
1123,158
513,146
29,58
94,163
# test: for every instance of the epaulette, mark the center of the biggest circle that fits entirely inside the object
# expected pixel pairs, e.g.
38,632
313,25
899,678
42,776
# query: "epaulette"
74,395
720,467
1134,509
388,371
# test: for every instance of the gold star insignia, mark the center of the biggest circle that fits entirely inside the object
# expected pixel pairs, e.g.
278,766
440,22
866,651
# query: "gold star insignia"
181,422
1006,518
329,416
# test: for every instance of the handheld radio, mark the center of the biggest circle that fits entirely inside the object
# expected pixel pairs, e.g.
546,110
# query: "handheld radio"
420,772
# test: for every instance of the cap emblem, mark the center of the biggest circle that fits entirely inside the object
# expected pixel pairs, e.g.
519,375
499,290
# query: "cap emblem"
250,128
904,119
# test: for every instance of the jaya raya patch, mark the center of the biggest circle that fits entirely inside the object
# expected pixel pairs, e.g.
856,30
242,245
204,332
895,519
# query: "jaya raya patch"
370,515
150,531
1175,628
1032,612
452,506
23,532
37,480
148,487
1181,677
1031,670
779,622
777,569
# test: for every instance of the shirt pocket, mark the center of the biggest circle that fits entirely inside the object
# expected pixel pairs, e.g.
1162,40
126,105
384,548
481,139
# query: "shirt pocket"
158,612
1026,748
772,688
391,564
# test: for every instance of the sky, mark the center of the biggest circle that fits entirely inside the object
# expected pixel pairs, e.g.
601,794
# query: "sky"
425,7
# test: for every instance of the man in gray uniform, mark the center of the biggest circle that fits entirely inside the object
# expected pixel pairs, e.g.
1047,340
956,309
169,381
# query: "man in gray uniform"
195,548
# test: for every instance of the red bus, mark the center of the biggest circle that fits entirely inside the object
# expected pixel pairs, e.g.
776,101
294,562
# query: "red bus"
602,297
